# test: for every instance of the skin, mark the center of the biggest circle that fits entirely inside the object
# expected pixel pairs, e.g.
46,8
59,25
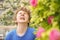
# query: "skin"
22,19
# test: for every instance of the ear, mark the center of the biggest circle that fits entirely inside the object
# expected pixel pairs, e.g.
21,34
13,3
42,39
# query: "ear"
28,21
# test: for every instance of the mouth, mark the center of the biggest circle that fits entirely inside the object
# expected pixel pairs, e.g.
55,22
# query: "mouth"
22,18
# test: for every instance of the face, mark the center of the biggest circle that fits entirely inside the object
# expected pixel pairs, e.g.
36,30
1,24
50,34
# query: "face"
22,17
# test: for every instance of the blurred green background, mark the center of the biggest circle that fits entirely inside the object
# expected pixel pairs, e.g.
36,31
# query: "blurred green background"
46,14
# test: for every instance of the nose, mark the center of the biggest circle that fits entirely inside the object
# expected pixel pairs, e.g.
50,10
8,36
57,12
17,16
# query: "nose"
22,14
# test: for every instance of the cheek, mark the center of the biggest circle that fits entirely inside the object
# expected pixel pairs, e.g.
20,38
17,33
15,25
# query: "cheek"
17,17
27,17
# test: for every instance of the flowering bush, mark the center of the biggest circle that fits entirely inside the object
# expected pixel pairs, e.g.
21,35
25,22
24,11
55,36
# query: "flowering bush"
33,3
45,13
50,19
39,32
55,35
51,34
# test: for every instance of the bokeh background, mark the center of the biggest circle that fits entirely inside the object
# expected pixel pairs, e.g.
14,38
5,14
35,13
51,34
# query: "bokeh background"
44,13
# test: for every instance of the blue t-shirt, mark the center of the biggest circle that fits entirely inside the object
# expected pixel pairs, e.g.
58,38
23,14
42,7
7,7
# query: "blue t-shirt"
29,35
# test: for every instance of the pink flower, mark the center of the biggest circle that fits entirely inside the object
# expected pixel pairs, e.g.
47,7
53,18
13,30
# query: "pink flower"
55,35
50,19
33,3
39,32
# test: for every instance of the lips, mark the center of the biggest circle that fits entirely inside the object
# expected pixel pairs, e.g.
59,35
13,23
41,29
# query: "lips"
22,17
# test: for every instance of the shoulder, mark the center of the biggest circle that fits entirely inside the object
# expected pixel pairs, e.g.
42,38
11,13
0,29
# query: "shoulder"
9,35
11,32
31,30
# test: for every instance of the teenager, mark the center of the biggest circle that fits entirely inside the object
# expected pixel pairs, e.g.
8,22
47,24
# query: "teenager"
23,31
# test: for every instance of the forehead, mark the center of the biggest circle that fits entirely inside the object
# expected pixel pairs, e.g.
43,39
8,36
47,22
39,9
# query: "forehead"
21,12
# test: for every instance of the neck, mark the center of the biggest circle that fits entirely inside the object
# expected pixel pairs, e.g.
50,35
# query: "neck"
22,28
